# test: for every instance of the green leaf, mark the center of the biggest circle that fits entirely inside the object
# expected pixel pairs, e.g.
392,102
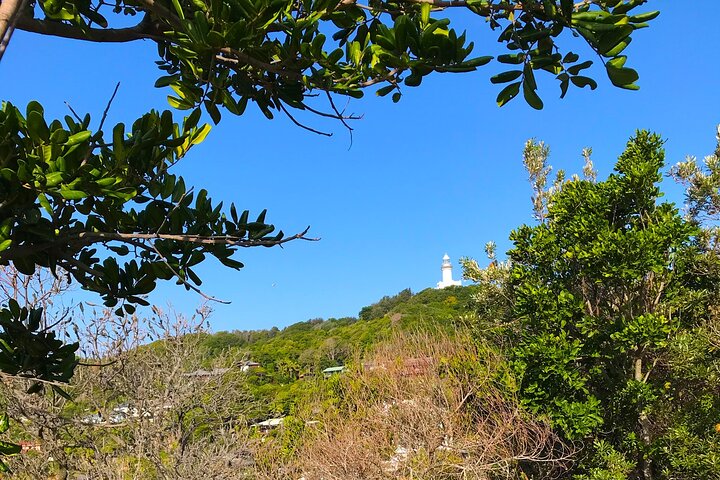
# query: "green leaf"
381,92
621,76
213,111
7,448
166,80
191,120
531,96
584,82
567,7
575,69
413,80
571,57
508,93
178,9
68,194
644,17
4,422
96,18
37,128
425,14
476,62
512,58
79,137
45,203
505,77
119,141
200,134
611,40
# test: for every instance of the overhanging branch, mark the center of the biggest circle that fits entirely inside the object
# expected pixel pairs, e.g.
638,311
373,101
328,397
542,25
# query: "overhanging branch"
83,239
140,31
93,237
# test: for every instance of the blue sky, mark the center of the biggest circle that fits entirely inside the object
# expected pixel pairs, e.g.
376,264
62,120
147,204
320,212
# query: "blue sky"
439,172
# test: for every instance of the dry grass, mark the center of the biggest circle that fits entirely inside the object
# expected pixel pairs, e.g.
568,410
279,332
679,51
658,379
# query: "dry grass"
420,407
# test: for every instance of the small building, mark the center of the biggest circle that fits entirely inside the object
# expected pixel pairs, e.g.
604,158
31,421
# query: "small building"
447,280
333,370
247,365
269,424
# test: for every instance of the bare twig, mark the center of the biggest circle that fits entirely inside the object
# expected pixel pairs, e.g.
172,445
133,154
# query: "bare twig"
340,116
310,129
186,283
107,108
77,117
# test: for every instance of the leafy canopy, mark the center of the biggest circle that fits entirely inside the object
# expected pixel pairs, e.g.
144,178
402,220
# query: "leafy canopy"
280,53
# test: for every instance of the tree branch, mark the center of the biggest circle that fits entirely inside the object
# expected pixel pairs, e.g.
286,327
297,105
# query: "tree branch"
237,58
10,12
103,35
93,237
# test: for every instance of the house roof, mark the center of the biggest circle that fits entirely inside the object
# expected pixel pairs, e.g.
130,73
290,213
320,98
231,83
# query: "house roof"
270,422
334,369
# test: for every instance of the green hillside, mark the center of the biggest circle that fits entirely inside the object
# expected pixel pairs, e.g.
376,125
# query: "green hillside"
289,357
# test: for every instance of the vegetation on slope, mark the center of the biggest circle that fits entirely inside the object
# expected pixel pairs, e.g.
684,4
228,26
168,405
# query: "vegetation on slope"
290,356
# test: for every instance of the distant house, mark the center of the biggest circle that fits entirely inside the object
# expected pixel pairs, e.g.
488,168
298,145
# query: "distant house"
92,419
248,365
268,424
333,370
26,446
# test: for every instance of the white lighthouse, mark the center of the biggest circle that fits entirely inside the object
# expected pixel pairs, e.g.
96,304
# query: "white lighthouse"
447,280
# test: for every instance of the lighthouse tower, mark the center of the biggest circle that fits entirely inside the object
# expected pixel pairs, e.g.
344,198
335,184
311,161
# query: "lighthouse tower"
447,280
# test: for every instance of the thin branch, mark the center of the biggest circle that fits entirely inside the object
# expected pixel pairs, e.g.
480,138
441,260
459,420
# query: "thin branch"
197,239
7,376
340,116
77,117
177,204
334,116
136,239
235,57
86,364
81,266
389,77
163,13
107,108
186,283
310,129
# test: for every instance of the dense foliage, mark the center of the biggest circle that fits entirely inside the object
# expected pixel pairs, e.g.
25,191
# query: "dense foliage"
290,357
611,321
278,54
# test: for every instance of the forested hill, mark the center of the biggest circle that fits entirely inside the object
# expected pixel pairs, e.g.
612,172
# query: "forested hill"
304,349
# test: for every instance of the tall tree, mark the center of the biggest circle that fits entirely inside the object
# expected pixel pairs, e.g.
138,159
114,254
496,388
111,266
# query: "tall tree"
616,296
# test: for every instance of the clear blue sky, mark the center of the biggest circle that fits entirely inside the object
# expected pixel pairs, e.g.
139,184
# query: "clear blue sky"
439,172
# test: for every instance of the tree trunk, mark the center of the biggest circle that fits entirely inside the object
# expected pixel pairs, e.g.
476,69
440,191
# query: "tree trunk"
644,423
10,10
